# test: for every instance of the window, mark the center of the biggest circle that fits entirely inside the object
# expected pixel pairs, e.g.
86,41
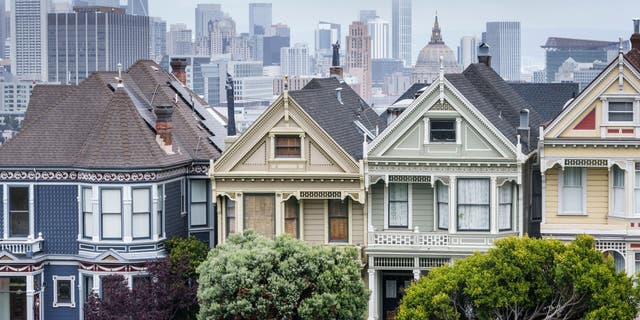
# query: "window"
87,212
63,292
231,217
141,213
338,221
87,286
442,131
18,211
111,208
288,147
443,205
618,260
198,203
159,220
618,190
505,206
291,213
398,205
573,186
637,190
621,111
260,213
473,204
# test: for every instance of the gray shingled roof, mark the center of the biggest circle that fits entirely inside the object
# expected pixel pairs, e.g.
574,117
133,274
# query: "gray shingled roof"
318,98
547,98
411,92
91,125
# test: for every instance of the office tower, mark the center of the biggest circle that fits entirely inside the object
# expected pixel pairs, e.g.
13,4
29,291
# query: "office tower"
206,12
358,62
271,49
28,39
279,30
379,33
157,39
241,48
327,33
401,20
467,51
214,76
99,3
427,67
380,68
221,32
179,40
3,29
366,15
558,50
503,38
295,61
259,18
115,38
138,7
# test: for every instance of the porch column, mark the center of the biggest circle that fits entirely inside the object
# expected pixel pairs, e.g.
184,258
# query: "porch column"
416,274
30,297
373,297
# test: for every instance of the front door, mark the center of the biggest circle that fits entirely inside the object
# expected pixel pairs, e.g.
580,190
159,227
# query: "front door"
393,286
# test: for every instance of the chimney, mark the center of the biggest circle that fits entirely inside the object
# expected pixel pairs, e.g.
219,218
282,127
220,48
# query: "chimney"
483,54
335,71
524,131
635,37
164,127
179,69
231,119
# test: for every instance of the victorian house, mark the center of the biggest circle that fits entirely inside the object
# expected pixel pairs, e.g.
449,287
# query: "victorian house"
100,175
298,168
590,160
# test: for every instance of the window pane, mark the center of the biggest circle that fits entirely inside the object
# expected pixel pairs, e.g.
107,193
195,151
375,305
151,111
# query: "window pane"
111,202
621,116
338,208
473,204
390,289
140,228
19,198
443,205
338,220
111,226
88,286
398,214
398,192
141,198
87,218
572,199
621,106
572,177
198,190
473,191
505,199
64,291
19,225
198,214
87,195
442,131
473,217
291,208
618,177
231,216
259,214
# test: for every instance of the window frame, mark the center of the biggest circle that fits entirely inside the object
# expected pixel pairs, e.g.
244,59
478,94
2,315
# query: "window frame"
102,224
72,301
206,203
149,215
84,213
458,204
296,218
453,130
11,212
615,190
561,186
277,147
440,185
160,210
229,218
244,210
512,188
609,112
407,201
346,217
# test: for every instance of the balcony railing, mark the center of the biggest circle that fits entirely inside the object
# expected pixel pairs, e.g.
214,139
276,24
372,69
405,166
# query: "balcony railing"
430,239
22,246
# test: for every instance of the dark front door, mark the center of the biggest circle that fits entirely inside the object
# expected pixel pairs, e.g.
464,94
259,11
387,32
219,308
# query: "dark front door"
393,286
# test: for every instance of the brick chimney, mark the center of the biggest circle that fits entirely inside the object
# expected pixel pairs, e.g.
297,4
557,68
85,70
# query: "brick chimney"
635,37
179,69
483,54
164,127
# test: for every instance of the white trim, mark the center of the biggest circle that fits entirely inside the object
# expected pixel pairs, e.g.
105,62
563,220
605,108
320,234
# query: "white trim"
385,210
72,289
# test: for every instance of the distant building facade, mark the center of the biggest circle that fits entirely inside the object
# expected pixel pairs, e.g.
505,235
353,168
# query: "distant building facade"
401,20
503,38
259,18
295,61
271,49
206,12
28,39
358,57
467,51
427,67
379,33
179,40
138,7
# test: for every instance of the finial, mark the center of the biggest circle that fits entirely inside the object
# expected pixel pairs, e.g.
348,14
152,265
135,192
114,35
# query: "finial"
620,45
286,83
120,70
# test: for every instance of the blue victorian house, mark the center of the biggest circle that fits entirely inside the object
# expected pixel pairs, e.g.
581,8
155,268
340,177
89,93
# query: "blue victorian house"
100,175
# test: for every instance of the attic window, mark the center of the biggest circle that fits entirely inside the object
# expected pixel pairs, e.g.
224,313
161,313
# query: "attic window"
621,111
443,131
288,146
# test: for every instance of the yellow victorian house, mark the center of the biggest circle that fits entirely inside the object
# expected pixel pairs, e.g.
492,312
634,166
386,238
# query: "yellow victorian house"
590,163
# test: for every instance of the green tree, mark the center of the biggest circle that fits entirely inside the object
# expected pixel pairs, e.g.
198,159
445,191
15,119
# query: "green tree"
525,278
190,249
252,277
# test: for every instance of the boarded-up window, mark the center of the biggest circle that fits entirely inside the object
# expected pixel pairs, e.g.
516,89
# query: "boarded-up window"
288,147
259,214
338,221
291,213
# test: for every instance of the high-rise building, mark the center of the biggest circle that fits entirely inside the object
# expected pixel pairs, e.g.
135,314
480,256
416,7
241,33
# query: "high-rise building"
366,15
99,3
157,39
3,28
60,7
206,12
279,30
467,51
558,50
383,67
327,33
401,20
358,57
28,39
271,49
138,7
379,33
179,40
259,18
115,38
221,32
295,61
503,38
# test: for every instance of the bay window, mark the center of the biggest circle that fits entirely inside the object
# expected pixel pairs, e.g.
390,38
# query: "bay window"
573,189
198,212
19,211
111,211
87,212
260,213
473,204
141,213
442,197
618,190
338,220
505,206
291,214
398,205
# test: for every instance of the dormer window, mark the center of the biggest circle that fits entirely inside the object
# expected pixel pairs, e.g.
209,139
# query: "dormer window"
442,130
288,146
621,111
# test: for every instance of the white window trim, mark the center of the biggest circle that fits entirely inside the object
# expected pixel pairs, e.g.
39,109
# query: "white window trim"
56,304
409,207
492,203
584,194
349,223
7,214
284,132
436,202
635,190
122,213
150,213
612,205
627,98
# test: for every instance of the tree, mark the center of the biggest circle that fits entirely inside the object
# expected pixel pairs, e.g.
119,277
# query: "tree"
252,277
524,278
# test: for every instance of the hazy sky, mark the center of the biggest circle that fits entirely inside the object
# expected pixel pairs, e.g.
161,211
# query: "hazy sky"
600,20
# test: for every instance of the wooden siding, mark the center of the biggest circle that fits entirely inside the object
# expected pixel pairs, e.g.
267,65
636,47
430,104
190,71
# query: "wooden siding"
377,205
357,224
422,206
314,221
597,198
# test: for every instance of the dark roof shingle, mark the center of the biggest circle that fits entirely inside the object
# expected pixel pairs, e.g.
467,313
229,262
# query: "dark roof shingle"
547,98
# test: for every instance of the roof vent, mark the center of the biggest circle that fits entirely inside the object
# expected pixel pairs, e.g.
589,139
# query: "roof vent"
524,118
339,95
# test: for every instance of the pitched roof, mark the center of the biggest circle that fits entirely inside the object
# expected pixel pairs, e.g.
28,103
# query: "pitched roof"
319,99
633,56
411,92
95,125
547,98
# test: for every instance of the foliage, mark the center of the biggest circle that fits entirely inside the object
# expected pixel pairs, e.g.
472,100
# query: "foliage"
191,249
524,278
252,277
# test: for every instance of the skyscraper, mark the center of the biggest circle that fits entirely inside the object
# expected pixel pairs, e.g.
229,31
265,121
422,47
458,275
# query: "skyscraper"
558,50
103,31
503,38
467,51
295,61
104,3
179,40
326,34
401,20
358,57
379,33
259,18
221,32
206,12
157,39
366,15
3,29
138,7
28,39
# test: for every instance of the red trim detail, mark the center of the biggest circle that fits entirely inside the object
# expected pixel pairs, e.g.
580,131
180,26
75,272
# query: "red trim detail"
588,122
632,224
613,130
635,245
627,130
